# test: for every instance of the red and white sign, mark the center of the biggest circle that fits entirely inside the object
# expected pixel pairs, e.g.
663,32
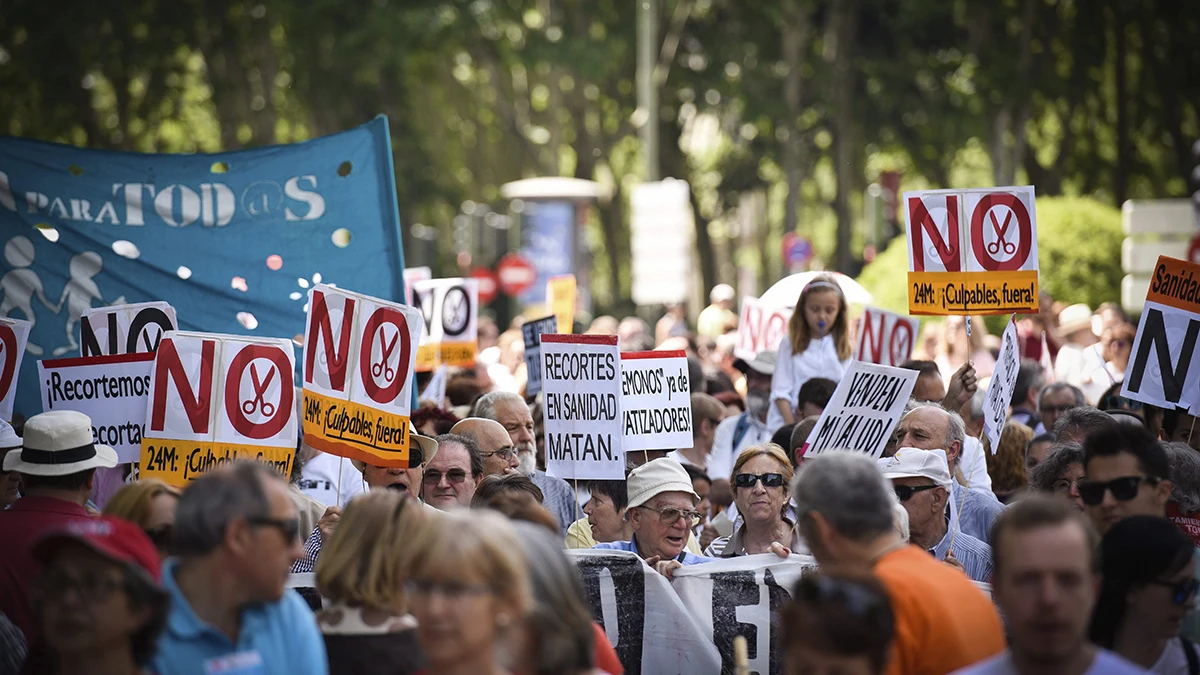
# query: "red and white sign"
125,329
414,275
515,273
14,333
978,230
111,390
485,283
886,338
760,328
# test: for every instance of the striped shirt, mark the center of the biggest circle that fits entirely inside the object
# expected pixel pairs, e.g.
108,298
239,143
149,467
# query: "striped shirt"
975,556
979,511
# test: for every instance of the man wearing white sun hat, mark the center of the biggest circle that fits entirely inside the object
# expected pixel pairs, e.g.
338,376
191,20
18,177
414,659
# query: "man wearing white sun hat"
10,481
57,464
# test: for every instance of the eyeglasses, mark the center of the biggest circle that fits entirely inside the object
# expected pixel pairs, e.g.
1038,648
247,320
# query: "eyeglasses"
162,536
671,515
1057,409
1064,485
860,601
905,492
54,586
749,480
1182,591
288,527
454,476
1123,489
451,590
1116,402
506,453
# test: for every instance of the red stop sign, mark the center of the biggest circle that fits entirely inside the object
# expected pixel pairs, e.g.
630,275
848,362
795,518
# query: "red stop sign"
487,284
516,274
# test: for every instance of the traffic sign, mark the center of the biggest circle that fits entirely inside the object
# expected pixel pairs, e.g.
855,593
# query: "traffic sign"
515,275
488,286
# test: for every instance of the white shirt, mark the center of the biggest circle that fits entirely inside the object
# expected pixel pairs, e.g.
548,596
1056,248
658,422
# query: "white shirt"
792,370
1068,365
1172,661
723,455
974,465
319,479
1104,663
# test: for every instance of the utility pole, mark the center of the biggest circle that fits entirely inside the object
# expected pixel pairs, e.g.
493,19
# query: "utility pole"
647,89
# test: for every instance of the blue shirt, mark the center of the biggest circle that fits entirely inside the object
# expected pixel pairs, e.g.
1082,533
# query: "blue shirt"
686,557
279,638
975,556
979,511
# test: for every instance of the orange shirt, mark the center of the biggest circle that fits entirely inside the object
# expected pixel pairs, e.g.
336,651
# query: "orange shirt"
943,621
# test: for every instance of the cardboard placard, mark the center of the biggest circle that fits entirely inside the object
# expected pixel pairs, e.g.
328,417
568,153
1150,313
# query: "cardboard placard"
412,275
760,328
1000,388
533,331
449,310
215,399
359,355
863,411
656,401
886,338
14,335
112,390
435,389
972,251
125,329
1162,367
582,385
560,300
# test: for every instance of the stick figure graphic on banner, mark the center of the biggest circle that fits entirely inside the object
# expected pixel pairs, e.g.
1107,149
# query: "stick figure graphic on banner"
20,285
78,294
259,401
383,366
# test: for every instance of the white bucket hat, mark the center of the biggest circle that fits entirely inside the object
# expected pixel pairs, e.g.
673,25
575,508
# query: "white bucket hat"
917,463
8,437
656,477
59,443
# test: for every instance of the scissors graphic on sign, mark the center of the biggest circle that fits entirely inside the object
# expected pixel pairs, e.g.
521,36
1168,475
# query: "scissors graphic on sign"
383,367
994,247
259,401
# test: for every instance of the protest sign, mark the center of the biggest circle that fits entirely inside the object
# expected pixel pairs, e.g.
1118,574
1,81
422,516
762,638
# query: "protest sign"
358,374
1162,369
656,401
644,619
532,331
863,411
435,389
582,387
743,596
449,312
560,299
14,336
760,328
112,390
412,276
972,251
232,240
885,338
1000,388
215,399
125,329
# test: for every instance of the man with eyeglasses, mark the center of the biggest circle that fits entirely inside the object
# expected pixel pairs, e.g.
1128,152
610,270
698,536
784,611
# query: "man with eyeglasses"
497,450
237,534
453,474
921,480
661,513
1055,399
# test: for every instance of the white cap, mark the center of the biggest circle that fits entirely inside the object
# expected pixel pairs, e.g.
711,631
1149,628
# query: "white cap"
656,477
722,292
8,437
917,463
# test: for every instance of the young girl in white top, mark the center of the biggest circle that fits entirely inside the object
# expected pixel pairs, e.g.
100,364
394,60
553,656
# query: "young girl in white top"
818,344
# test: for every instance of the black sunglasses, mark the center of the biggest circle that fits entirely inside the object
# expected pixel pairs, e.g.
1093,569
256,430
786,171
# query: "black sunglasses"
288,527
1116,402
905,492
1123,489
162,537
1182,590
749,480
455,476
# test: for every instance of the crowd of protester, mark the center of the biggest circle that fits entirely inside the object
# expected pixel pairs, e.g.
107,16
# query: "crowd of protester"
1068,548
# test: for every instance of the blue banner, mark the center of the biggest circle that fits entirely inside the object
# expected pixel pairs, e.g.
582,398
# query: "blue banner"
547,241
233,240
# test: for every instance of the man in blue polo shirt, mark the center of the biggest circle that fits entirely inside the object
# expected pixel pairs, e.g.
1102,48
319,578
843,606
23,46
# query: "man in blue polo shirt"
237,534
661,513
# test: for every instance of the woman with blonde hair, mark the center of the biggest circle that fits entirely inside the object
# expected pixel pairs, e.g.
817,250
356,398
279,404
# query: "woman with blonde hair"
761,484
149,504
1006,466
468,589
362,571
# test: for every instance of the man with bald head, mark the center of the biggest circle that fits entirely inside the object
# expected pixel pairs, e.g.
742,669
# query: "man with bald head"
929,426
497,450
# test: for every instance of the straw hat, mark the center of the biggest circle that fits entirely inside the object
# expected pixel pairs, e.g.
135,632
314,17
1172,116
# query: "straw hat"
59,443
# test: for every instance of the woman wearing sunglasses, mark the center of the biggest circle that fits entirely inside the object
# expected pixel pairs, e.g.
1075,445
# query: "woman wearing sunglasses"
761,483
150,504
1149,584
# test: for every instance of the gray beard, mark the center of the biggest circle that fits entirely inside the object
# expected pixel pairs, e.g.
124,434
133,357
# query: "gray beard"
526,462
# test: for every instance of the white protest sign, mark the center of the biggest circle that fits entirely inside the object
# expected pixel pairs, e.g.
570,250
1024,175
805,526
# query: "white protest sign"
743,596
435,389
358,376
760,328
885,338
1162,367
1000,388
125,329
582,387
865,407
648,625
532,331
215,399
656,401
449,309
413,275
112,390
14,334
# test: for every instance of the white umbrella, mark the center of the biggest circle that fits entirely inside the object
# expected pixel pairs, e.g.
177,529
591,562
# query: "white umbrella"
786,291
